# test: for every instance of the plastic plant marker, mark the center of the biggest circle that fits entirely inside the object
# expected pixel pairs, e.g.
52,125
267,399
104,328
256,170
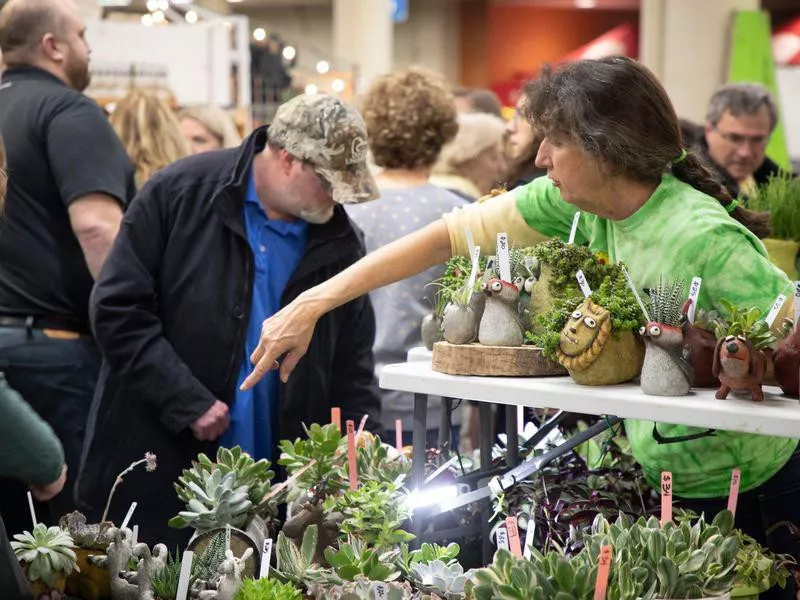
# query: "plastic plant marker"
398,434
361,425
502,538
666,497
503,258
520,419
635,293
186,574
470,240
733,496
351,454
473,273
530,533
694,294
574,230
513,536
587,291
336,417
135,535
227,537
796,303
33,512
776,308
603,569
266,556
128,516
380,591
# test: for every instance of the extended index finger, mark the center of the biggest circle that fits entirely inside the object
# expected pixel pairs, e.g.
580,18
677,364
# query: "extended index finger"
257,374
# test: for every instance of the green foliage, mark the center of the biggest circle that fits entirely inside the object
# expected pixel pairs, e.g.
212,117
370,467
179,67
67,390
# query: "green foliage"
362,589
296,565
165,581
46,553
743,322
267,589
378,462
780,196
427,553
758,567
452,286
617,298
206,563
551,323
374,513
666,300
565,261
448,580
226,492
321,445
356,559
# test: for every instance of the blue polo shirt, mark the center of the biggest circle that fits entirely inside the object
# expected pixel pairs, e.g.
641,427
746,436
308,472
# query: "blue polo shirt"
277,248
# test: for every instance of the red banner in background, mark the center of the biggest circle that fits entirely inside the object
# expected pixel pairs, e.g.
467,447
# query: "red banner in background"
786,44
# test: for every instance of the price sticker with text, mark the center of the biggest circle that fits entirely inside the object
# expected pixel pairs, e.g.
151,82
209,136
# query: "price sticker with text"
733,496
587,291
666,497
266,557
380,591
574,230
694,294
502,538
513,536
503,257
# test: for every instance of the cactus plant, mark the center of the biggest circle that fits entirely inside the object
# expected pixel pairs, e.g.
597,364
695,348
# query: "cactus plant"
297,566
46,553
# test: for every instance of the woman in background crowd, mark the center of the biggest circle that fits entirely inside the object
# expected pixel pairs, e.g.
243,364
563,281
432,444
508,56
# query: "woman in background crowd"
207,128
522,144
472,164
410,116
150,132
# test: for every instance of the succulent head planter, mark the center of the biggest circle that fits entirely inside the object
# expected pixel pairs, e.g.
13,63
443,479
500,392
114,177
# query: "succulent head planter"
47,557
667,368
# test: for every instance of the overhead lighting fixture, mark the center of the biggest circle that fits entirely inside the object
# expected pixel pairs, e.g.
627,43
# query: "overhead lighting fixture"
323,67
191,17
289,52
259,34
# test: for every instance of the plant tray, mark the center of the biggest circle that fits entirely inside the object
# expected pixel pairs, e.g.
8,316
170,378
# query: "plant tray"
493,361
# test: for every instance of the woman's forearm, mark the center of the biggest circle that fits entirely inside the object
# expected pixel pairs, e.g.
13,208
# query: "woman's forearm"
399,260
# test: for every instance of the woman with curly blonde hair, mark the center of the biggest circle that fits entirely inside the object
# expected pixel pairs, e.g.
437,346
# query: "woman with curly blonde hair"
149,131
410,116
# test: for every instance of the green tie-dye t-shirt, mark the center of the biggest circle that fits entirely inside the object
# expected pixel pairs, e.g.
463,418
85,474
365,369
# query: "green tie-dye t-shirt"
681,233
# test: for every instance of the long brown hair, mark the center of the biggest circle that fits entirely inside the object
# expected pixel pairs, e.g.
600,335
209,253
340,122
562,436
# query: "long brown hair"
621,115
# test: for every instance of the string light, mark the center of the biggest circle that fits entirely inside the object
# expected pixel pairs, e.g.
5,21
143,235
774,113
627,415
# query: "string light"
311,89
191,17
260,34
323,67
152,5
147,20
289,53
338,85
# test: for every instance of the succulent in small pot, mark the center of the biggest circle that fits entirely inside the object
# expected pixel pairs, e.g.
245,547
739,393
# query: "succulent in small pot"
267,589
445,580
47,557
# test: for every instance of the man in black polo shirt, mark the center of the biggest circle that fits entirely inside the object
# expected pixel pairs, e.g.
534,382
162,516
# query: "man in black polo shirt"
69,178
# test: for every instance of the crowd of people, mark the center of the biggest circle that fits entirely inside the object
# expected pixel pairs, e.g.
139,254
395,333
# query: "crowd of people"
167,287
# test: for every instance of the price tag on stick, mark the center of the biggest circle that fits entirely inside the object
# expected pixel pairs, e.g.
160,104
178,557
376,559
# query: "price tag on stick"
135,535
336,417
587,291
266,557
603,569
380,591
513,536
128,516
30,506
227,537
573,232
530,533
473,274
733,496
694,294
796,303
351,454
666,497
502,538
503,257
398,434
776,308
470,240
186,573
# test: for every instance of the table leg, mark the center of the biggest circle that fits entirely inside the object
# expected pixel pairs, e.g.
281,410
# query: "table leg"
445,434
419,440
485,411
512,437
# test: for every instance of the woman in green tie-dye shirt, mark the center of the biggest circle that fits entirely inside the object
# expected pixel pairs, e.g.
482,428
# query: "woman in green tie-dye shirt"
613,149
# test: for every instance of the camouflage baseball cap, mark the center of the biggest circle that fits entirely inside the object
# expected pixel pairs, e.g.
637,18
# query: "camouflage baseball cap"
332,136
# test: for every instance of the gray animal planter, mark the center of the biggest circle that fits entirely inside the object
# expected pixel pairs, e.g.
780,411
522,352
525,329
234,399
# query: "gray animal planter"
115,560
500,324
459,324
231,574
667,368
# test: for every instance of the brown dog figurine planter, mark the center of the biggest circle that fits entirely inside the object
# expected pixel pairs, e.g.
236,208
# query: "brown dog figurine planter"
739,367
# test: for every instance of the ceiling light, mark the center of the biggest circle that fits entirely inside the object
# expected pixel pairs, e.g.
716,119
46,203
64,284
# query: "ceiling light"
323,67
311,89
159,17
152,5
259,34
289,53
147,20
191,17
338,85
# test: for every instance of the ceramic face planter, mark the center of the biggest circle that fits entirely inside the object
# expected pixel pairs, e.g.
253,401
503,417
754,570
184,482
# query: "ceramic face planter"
739,366
592,354
667,369
500,324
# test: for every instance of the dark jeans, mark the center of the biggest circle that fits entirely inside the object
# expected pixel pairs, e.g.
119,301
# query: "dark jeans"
57,378
776,501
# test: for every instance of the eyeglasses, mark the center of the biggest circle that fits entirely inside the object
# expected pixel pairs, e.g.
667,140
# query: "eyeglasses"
738,140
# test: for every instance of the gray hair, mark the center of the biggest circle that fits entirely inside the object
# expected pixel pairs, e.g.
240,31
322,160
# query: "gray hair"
741,98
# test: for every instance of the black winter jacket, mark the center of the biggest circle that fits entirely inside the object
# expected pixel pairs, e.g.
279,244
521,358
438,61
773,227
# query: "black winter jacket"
170,312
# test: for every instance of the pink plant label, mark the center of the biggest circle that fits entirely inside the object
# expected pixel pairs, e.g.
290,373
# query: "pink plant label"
666,497
513,536
351,454
733,496
398,435
603,569
336,417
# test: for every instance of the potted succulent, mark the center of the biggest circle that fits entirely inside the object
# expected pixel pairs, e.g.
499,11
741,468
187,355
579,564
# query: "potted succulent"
780,196
47,557
267,589
758,569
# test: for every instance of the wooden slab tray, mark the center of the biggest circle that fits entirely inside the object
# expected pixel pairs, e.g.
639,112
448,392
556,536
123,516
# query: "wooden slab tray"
493,361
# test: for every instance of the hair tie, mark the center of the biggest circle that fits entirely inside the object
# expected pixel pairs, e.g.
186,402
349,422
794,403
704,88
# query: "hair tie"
731,206
681,157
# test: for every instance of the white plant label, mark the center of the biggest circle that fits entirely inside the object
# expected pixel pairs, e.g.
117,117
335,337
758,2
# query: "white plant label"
128,516
502,539
776,308
520,419
266,556
635,293
503,258
796,303
573,232
473,274
33,512
587,291
380,591
227,537
135,534
186,573
470,240
529,535
694,294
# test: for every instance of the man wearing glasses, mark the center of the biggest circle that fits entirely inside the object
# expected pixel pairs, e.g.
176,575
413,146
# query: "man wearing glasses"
739,122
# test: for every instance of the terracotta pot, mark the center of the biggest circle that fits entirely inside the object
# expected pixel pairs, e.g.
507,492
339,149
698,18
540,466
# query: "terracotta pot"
783,254
92,582
620,360
39,587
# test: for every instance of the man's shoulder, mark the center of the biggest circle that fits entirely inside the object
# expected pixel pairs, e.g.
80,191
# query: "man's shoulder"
208,169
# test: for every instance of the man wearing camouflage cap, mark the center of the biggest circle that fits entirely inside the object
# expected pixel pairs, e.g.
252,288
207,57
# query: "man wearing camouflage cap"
211,247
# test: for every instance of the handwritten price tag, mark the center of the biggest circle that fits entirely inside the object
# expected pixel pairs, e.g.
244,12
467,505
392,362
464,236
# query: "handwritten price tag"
603,569
733,496
587,291
776,308
513,536
227,537
398,434
266,557
351,454
380,591
573,232
336,417
796,303
503,258
694,294
666,497
530,533
502,539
